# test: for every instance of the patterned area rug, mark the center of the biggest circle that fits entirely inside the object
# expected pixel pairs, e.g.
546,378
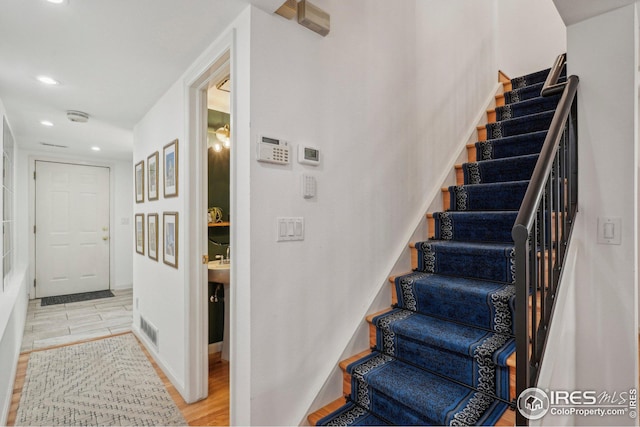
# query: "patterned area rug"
85,296
109,382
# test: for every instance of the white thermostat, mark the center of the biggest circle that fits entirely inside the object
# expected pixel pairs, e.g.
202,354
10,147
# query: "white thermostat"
272,150
308,155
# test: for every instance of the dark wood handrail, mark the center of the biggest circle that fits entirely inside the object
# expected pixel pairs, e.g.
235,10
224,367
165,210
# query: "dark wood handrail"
542,231
551,85
527,212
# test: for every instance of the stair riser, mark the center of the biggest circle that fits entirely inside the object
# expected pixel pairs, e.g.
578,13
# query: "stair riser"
519,126
496,171
520,145
525,108
472,227
430,358
459,303
531,79
495,268
507,197
401,414
529,92
346,383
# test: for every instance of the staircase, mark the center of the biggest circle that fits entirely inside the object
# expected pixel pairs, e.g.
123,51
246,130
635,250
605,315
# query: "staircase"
444,353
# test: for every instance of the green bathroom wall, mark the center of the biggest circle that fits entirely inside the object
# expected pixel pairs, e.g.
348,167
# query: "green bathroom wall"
219,175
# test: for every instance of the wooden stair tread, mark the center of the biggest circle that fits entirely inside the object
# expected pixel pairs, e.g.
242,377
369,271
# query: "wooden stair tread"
371,316
316,416
346,362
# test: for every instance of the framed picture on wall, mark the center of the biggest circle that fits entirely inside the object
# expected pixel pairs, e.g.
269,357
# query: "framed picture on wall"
152,168
152,233
170,154
140,233
170,235
140,182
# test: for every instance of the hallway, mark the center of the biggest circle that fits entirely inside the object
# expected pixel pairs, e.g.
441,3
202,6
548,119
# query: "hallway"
61,324
67,324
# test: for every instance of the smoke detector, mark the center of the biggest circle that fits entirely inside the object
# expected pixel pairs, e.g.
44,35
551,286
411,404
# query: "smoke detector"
77,116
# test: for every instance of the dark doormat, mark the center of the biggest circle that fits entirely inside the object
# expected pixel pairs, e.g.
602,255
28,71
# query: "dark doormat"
85,296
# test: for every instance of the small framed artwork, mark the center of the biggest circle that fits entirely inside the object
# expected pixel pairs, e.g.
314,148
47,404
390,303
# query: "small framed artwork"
170,235
152,233
152,172
140,182
170,154
140,233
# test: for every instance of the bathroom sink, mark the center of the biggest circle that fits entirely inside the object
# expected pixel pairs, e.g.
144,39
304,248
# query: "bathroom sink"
219,272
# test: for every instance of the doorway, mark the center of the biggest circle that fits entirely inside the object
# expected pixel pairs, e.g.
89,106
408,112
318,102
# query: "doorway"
72,239
198,382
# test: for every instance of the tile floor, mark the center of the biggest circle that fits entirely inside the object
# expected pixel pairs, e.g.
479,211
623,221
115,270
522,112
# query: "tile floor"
66,323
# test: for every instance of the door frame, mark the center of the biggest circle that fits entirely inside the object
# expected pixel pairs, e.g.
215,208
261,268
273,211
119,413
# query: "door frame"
32,159
196,298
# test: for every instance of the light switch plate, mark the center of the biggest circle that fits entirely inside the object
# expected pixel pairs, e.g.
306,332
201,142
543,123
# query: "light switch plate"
289,229
609,230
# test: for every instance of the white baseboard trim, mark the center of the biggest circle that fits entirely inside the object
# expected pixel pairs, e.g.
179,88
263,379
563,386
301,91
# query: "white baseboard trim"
216,347
163,366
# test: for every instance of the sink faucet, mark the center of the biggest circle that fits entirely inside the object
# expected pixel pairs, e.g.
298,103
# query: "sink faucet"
228,254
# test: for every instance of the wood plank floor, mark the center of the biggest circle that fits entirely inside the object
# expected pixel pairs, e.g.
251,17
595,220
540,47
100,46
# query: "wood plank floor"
212,411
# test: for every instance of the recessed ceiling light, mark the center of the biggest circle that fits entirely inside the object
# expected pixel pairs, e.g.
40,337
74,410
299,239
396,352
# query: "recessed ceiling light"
95,148
47,80
56,1
46,123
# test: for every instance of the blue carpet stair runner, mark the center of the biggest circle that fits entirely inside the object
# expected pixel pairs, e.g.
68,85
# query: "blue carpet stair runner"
441,352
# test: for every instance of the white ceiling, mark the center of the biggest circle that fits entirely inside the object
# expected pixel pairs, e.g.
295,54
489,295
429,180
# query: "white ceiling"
113,58
573,11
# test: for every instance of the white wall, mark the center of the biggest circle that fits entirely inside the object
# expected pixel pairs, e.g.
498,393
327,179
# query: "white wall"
388,97
159,290
530,35
602,51
13,309
169,298
122,226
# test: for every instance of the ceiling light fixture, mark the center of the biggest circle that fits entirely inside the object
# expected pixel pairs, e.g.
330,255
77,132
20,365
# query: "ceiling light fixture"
57,1
48,80
95,148
77,116
46,123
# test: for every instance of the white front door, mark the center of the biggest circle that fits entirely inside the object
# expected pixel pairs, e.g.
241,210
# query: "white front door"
72,228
